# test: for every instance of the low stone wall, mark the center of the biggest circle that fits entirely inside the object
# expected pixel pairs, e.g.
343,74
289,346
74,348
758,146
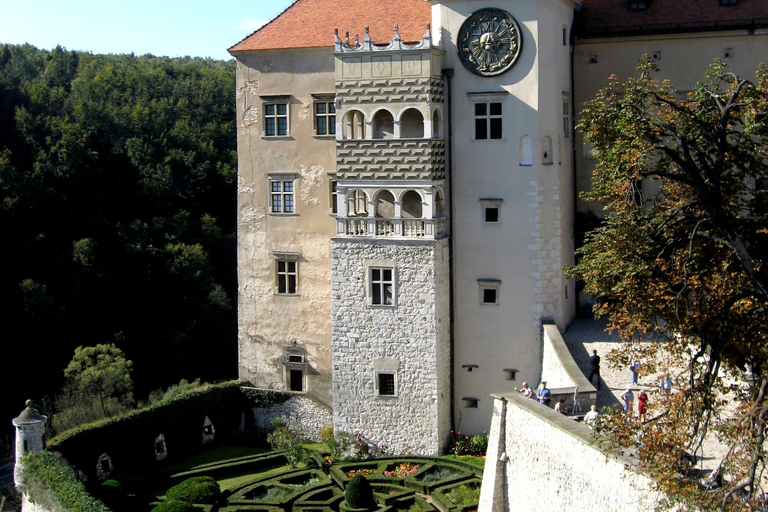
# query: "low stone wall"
563,375
302,413
539,460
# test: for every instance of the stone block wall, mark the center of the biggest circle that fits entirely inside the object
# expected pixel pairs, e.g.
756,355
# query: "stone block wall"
410,339
539,460
301,413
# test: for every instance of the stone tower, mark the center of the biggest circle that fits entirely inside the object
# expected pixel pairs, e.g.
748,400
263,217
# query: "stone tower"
30,427
390,262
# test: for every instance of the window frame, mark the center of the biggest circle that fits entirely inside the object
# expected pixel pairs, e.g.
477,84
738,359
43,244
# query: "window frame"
283,194
488,99
377,384
371,284
329,116
288,260
489,285
275,116
290,368
567,124
333,195
487,203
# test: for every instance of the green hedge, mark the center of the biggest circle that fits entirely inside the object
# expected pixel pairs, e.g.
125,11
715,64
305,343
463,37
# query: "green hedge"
53,486
129,440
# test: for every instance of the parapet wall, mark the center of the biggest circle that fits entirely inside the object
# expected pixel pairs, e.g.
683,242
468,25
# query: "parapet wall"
302,414
539,460
563,375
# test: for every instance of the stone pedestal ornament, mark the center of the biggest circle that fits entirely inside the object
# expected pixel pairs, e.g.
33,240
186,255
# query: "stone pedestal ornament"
30,428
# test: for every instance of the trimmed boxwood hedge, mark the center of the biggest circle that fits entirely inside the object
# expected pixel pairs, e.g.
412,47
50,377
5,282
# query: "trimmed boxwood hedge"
129,440
53,486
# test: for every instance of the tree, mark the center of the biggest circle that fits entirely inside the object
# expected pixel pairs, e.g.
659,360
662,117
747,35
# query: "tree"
102,371
684,183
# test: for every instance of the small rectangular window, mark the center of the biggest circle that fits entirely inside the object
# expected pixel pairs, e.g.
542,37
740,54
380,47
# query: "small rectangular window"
281,192
333,194
325,118
566,116
275,119
488,121
489,290
386,384
382,286
491,209
492,214
287,277
489,295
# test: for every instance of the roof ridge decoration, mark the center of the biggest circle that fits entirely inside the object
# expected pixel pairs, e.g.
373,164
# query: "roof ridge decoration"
396,43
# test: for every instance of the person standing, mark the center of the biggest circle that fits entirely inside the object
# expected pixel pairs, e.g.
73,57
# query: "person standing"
634,367
627,397
642,405
594,368
591,417
543,393
526,390
666,384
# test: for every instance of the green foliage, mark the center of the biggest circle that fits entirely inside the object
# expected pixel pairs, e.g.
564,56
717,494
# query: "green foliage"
199,489
174,506
283,439
117,186
464,495
359,493
680,255
466,445
51,484
337,443
175,390
101,371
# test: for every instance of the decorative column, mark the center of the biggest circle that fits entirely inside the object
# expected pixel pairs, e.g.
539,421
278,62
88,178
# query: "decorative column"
30,427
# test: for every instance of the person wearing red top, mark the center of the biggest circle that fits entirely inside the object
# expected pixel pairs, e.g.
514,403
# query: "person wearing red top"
642,405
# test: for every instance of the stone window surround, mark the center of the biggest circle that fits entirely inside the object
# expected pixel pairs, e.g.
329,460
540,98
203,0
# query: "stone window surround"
385,366
488,98
488,284
281,177
286,257
387,264
277,99
291,353
327,99
487,203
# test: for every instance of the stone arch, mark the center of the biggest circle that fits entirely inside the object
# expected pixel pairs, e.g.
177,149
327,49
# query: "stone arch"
357,203
383,124
385,205
411,124
546,150
161,449
353,125
411,205
526,150
208,430
104,466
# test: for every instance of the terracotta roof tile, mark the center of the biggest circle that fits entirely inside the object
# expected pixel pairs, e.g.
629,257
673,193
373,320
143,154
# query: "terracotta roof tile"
310,23
614,17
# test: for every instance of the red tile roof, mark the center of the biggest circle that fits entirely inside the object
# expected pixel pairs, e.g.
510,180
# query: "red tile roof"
310,23
614,17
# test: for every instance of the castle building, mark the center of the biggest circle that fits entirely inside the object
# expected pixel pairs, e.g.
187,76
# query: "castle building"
407,190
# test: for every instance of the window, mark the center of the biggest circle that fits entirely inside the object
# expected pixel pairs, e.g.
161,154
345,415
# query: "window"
281,195
333,194
275,119
385,384
566,116
296,380
325,117
357,204
637,6
729,2
488,120
489,290
295,368
286,277
382,286
491,210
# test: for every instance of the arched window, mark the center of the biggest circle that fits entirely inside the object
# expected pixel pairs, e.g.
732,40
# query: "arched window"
411,205
383,125
411,124
439,204
385,205
354,125
526,150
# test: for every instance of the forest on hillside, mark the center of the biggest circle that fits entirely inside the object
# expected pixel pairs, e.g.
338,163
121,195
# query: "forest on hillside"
117,217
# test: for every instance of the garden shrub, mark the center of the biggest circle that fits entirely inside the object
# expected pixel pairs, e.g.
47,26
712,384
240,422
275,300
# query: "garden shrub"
174,506
464,495
283,439
337,443
359,493
199,489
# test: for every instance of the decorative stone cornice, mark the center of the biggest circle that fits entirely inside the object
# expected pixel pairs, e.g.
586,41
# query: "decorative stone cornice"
368,45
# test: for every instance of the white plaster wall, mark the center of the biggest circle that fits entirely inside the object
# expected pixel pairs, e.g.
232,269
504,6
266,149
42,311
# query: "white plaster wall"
268,322
29,506
552,464
414,332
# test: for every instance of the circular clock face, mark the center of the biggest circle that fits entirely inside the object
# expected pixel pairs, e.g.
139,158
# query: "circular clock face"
489,42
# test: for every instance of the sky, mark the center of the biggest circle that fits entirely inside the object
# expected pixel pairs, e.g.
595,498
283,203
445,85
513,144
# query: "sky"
172,28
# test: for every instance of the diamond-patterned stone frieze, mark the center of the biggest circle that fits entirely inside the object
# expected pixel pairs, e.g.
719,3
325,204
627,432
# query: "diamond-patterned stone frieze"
383,159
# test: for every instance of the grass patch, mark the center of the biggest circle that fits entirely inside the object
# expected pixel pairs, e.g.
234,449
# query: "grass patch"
475,460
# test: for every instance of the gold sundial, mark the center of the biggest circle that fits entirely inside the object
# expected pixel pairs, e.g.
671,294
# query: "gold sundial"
489,42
